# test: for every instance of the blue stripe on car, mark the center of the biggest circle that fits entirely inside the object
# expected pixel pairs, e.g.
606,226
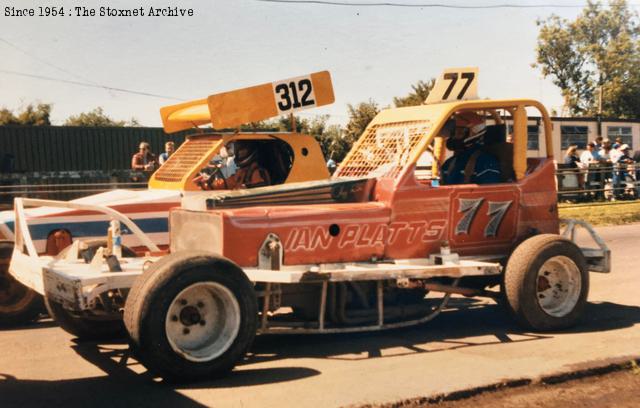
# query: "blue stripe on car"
93,228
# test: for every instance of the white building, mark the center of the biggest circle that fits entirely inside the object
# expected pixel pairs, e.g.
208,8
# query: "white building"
579,131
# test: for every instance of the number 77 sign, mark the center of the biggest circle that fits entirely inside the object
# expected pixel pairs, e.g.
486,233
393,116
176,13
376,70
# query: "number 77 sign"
455,84
256,103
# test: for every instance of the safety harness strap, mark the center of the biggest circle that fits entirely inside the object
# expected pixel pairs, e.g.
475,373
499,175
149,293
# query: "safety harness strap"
470,168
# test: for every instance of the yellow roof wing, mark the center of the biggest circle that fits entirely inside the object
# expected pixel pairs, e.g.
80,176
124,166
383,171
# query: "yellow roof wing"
252,104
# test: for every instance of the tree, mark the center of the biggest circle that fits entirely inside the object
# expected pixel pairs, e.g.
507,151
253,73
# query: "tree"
417,97
31,115
96,118
598,52
359,117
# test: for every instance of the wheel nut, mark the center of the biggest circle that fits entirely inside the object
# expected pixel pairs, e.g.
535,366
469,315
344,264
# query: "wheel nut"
186,331
174,318
202,322
200,304
183,302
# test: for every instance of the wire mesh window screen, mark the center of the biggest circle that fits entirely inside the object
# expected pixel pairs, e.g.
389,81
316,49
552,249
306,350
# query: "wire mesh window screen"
384,149
182,161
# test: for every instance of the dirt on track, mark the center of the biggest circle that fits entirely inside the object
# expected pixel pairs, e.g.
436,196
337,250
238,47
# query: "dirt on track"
619,389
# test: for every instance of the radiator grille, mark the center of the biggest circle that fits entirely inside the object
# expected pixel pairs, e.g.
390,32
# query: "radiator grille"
183,160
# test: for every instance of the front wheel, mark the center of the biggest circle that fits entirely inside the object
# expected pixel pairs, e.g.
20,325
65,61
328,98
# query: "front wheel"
546,283
18,303
191,316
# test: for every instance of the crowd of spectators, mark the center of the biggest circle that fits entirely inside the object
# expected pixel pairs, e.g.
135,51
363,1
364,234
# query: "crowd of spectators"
604,167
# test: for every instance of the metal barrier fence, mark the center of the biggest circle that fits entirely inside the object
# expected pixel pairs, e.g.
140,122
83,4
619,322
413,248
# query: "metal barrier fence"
595,183
598,182
65,185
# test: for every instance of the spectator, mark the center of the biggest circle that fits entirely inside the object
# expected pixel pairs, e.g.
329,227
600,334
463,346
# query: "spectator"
572,160
589,155
621,161
598,143
144,160
617,143
571,157
169,148
227,155
591,158
636,160
605,151
331,166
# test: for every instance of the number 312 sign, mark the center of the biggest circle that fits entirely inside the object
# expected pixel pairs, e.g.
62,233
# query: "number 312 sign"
256,103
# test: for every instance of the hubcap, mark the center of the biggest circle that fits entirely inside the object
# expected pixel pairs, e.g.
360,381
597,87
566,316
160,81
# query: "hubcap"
203,321
559,284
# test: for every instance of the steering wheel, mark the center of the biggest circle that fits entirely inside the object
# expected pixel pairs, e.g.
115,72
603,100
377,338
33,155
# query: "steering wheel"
209,179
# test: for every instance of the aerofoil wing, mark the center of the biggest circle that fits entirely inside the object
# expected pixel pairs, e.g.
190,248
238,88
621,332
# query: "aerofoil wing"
252,104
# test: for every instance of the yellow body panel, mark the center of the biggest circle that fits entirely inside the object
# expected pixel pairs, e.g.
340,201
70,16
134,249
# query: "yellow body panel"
198,150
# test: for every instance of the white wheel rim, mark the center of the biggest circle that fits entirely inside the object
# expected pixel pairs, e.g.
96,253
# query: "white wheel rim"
559,284
203,321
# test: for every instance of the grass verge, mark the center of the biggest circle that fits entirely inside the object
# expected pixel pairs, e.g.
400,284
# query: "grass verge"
615,213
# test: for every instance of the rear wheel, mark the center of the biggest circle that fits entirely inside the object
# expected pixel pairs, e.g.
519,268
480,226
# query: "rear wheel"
81,326
546,283
191,316
18,303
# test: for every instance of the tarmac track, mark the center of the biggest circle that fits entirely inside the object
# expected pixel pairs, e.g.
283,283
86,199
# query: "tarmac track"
471,345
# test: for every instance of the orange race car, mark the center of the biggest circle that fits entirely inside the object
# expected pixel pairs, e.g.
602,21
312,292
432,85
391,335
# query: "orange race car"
378,246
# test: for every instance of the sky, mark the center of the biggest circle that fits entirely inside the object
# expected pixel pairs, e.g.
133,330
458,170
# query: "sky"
374,52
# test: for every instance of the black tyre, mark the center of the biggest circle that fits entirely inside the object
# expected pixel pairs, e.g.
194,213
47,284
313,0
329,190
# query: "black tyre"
18,303
88,327
190,316
546,283
84,327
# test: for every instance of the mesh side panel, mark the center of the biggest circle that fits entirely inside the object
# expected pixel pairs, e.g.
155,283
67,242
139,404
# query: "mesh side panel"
183,160
384,149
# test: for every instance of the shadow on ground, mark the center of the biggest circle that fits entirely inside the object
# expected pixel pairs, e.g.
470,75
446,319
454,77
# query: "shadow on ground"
467,323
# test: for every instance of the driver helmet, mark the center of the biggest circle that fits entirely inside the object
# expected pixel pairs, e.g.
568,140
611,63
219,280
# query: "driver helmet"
246,152
470,128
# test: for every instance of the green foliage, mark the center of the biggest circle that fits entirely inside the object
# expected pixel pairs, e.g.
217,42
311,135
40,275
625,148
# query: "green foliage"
359,117
97,118
331,137
417,97
262,126
600,49
30,116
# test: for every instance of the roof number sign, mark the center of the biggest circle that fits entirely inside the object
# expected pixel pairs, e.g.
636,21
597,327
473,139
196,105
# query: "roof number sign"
455,84
294,94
